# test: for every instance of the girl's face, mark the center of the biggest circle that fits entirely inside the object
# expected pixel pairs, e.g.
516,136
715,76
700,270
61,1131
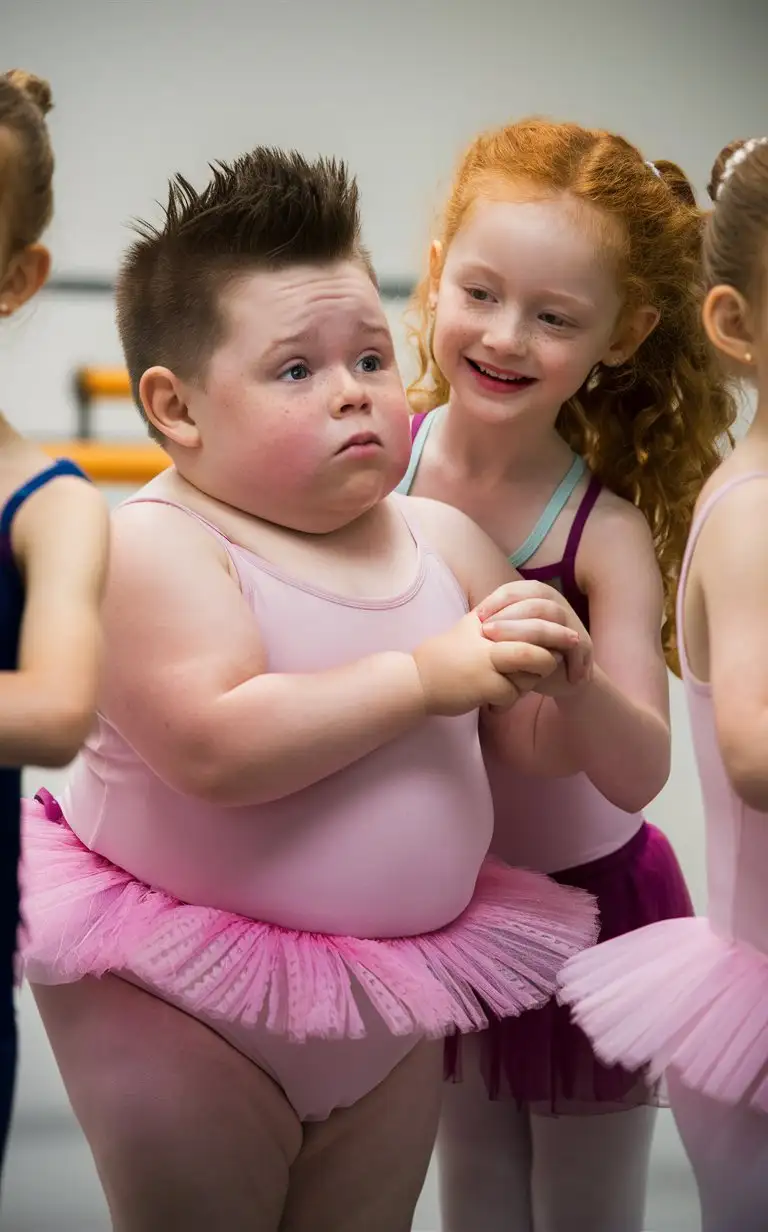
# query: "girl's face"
526,304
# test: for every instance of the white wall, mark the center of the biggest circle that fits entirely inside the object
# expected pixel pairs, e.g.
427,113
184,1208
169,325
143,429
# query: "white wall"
396,88
145,89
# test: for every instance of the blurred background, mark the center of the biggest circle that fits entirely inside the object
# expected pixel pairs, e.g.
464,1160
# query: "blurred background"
145,89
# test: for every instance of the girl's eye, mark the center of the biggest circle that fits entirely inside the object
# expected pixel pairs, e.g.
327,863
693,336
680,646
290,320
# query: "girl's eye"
297,372
370,363
551,318
478,294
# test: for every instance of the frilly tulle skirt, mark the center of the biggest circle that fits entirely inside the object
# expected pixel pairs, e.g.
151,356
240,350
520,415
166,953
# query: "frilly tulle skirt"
85,916
676,995
543,1060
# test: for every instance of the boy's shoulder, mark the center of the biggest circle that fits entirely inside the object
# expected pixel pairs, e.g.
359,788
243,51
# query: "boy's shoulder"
435,517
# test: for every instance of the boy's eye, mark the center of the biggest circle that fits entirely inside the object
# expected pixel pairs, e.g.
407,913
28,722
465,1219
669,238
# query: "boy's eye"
370,363
297,372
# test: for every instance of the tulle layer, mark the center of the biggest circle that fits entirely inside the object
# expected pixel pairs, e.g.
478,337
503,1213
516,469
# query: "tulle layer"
84,916
542,1059
675,994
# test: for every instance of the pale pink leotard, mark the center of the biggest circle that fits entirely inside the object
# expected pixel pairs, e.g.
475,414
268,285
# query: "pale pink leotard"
324,859
269,922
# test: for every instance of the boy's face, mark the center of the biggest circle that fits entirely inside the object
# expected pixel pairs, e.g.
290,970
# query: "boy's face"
302,416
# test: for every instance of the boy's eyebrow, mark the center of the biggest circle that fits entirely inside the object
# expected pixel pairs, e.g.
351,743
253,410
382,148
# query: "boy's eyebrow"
375,329
303,336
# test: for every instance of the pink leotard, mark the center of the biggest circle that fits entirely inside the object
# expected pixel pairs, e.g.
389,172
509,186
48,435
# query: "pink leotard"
324,859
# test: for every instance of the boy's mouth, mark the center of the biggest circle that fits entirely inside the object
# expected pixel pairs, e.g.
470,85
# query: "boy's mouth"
362,441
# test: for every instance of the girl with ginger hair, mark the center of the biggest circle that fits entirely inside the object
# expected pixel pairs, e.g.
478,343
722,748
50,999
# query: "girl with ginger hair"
53,541
567,401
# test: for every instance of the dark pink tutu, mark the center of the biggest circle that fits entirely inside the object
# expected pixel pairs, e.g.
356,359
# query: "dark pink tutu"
84,916
677,995
543,1058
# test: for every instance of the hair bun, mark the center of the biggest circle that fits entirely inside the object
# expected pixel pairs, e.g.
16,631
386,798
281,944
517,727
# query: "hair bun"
36,89
676,181
719,165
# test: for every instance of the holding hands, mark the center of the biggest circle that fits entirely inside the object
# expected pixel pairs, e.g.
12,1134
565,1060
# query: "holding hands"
532,612
522,637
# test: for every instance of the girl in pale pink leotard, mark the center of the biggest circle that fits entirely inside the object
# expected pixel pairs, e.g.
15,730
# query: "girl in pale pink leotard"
280,821
690,997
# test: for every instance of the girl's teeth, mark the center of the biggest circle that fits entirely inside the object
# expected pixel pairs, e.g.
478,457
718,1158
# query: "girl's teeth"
498,377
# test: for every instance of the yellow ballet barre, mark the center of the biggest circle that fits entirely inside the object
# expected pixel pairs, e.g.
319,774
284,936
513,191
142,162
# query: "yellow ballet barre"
103,383
93,383
112,461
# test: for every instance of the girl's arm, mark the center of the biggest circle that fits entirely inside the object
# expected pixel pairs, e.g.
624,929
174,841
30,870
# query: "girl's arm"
188,684
59,540
616,727
732,567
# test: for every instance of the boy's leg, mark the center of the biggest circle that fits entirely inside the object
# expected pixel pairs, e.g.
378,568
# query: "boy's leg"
185,1131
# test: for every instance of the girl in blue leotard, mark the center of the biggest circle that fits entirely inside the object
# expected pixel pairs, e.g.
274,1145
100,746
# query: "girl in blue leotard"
53,548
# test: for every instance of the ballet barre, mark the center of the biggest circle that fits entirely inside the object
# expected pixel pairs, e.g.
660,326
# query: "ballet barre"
112,461
94,383
118,462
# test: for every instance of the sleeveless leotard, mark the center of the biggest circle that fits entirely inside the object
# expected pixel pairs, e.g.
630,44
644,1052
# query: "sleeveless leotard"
265,861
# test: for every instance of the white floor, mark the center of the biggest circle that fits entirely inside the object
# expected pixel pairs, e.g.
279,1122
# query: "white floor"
51,1185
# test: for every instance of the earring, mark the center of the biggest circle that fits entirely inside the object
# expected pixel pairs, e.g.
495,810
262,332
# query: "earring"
747,357
5,310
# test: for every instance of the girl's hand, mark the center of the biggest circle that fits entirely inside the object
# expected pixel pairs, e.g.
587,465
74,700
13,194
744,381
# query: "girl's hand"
525,611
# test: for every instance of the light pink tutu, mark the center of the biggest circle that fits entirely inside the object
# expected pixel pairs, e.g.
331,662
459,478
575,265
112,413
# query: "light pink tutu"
84,916
675,994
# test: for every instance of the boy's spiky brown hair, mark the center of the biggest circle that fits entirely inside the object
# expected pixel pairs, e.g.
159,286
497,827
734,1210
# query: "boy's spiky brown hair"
267,210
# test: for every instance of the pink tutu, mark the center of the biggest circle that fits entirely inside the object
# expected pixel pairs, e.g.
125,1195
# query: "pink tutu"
84,916
677,995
